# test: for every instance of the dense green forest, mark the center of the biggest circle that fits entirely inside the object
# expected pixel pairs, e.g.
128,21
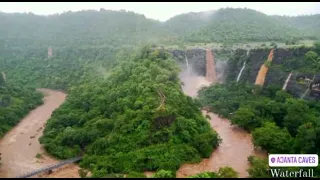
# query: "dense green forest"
126,112
115,28
15,103
279,123
135,125
84,27
310,24
67,68
238,25
86,44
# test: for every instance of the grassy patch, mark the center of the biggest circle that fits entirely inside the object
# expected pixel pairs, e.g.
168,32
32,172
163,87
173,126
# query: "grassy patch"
39,156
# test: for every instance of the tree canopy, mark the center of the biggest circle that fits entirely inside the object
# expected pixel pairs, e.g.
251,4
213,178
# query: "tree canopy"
145,122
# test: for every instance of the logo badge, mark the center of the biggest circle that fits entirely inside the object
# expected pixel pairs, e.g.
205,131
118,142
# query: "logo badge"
293,160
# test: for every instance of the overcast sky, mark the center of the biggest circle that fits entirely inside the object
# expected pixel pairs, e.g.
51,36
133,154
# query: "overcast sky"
162,10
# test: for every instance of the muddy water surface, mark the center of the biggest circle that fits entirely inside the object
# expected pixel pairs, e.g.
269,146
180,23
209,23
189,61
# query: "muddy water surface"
236,145
234,150
210,67
20,146
260,79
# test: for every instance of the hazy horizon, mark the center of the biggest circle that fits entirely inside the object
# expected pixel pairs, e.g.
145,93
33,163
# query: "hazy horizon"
161,11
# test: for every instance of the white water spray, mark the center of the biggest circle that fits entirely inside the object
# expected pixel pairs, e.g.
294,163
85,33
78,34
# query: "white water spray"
187,62
4,76
286,83
239,75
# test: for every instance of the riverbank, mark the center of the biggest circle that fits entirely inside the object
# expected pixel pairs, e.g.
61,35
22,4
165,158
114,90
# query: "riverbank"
20,146
235,148
236,145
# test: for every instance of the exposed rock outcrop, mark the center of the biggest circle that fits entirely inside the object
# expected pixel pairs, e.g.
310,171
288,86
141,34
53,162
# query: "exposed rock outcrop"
284,61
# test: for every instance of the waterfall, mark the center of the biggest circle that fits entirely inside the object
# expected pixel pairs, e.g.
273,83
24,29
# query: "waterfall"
304,94
49,52
308,89
286,83
4,76
187,62
239,75
244,65
211,72
264,70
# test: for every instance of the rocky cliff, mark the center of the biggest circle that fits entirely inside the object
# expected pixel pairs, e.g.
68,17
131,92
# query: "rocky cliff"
197,61
284,62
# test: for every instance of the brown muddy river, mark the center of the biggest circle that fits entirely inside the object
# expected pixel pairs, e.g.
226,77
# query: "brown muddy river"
20,146
236,145
233,151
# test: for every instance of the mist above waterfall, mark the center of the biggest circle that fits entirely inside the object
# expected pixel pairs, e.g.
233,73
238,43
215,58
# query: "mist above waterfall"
192,82
207,15
220,70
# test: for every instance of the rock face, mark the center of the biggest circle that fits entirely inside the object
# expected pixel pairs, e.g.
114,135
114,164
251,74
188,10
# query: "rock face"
196,59
284,62
315,87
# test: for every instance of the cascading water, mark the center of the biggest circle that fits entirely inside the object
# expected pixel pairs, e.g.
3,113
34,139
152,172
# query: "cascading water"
211,72
4,76
307,90
49,52
187,63
236,144
286,83
304,94
264,70
239,75
244,65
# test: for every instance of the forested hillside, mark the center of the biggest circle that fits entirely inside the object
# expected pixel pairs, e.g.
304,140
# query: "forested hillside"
68,66
137,120
78,28
279,123
236,25
186,22
116,28
310,24
86,43
126,112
